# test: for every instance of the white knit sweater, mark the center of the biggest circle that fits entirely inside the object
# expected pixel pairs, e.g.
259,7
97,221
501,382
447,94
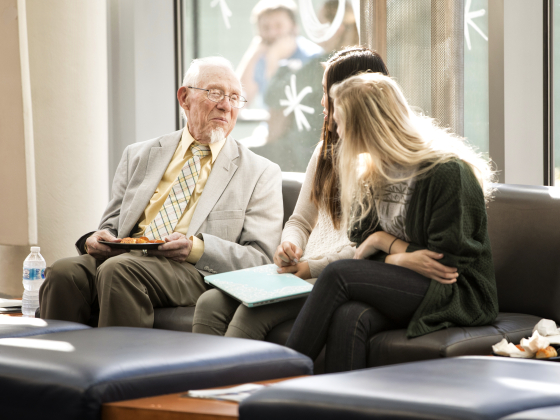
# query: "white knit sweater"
312,229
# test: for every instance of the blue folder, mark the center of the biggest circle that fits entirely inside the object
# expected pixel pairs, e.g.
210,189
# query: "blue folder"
261,285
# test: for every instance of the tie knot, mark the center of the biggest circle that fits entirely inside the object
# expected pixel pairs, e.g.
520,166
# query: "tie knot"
200,150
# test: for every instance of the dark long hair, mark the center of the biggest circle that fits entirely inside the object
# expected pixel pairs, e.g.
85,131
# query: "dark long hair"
341,65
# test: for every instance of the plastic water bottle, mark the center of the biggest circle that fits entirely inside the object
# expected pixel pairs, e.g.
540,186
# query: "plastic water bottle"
33,277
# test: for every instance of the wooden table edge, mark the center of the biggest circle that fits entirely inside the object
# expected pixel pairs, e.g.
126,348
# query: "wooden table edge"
175,406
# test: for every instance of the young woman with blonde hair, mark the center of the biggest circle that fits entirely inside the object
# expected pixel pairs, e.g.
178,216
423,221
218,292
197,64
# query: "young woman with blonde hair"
312,237
413,198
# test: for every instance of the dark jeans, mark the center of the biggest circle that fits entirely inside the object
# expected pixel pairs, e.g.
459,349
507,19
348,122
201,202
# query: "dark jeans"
391,295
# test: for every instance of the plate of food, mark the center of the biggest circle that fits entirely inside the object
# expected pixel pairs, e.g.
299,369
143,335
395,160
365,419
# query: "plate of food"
549,353
134,243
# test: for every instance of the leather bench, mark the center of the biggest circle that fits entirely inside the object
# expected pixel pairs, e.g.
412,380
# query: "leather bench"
454,388
523,223
547,413
11,326
70,374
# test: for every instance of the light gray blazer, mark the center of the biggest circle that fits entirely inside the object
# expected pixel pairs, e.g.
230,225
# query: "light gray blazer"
239,214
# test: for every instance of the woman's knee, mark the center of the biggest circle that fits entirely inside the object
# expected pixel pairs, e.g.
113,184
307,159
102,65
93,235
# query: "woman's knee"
331,274
214,307
247,324
211,300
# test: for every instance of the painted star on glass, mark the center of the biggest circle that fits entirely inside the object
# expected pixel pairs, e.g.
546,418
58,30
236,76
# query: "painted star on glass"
293,104
469,16
226,13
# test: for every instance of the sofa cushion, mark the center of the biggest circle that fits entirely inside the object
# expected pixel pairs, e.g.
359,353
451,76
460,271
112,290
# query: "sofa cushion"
393,347
454,388
68,375
11,326
522,224
179,318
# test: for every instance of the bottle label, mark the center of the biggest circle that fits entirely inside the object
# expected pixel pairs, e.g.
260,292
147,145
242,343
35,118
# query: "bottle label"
34,274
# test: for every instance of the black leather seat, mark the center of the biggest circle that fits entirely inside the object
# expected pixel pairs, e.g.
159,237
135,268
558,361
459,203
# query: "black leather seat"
523,225
470,388
11,327
68,375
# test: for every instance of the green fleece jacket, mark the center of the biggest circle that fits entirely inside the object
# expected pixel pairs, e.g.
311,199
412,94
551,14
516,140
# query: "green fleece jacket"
447,214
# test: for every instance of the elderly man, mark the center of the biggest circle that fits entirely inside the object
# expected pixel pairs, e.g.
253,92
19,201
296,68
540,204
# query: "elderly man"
217,206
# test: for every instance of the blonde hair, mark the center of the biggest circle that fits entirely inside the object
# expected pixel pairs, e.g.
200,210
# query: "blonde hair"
383,137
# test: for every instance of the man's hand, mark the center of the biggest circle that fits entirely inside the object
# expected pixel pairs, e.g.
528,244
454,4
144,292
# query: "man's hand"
424,262
301,270
177,247
102,251
287,254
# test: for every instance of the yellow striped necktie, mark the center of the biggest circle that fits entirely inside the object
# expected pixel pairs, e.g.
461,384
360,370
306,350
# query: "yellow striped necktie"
180,194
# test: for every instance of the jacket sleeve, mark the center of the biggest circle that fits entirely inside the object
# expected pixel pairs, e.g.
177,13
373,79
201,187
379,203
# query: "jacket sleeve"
110,218
261,231
456,225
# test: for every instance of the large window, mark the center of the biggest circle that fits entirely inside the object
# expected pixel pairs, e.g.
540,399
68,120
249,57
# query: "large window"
279,62
476,74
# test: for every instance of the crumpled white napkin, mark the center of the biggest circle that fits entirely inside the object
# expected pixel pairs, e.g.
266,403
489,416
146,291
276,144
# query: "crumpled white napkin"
503,348
535,343
546,327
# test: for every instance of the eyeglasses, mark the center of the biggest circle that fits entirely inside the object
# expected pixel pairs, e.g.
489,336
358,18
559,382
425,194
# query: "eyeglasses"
217,95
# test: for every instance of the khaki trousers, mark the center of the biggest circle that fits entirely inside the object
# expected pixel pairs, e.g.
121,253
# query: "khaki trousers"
120,291
218,314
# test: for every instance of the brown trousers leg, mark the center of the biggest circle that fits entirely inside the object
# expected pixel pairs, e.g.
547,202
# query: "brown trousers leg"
218,314
127,288
68,292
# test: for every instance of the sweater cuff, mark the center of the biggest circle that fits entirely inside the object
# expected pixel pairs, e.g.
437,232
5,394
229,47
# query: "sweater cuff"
317,266
196,251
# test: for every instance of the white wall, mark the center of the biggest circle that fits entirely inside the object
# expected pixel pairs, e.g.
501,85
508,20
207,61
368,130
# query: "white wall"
67,42
142,93
523,92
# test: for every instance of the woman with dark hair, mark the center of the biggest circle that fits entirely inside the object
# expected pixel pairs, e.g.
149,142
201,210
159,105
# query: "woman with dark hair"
414,199
312,237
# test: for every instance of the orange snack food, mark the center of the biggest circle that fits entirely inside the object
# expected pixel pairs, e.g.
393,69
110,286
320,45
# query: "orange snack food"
141,240
519,347
546,353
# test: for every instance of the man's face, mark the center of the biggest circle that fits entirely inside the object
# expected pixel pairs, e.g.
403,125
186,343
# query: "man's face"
275,25
205,116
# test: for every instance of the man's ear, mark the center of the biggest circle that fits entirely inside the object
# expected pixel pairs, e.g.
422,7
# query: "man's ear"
182,94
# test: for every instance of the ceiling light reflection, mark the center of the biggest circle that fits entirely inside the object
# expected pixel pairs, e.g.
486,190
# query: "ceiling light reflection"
528,385
13,320
33,343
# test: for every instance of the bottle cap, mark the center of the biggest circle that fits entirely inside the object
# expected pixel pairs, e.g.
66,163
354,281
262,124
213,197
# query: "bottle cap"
35,249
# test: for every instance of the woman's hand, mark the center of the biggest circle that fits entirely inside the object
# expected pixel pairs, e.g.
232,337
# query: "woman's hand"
424,262
367,248
287,254
301,270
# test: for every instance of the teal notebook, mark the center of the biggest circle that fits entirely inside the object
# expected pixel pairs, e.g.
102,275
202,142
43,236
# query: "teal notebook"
261,285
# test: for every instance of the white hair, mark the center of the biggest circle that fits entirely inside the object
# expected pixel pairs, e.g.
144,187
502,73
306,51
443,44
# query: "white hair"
193,74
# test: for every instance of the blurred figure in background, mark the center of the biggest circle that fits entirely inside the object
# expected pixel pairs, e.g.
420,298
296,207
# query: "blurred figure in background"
276,45
296,144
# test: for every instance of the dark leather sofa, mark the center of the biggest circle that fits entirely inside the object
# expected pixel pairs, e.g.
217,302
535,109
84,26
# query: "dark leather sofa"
523,223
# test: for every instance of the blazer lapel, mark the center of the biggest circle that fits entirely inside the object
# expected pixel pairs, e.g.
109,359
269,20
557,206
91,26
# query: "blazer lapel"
158,160
222,172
